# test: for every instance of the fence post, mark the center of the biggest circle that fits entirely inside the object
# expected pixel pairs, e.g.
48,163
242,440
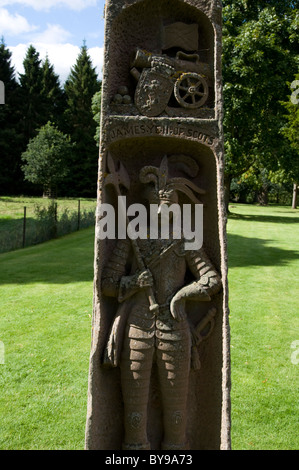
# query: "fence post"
79,207
24,227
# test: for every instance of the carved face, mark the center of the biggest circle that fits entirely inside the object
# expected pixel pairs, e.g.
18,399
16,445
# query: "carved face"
162,190
164,196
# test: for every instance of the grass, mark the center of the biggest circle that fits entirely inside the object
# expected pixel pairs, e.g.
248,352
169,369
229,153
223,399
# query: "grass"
12,208
46,305
264,293
45,325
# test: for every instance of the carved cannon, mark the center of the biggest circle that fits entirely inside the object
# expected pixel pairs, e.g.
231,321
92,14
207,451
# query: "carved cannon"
162,75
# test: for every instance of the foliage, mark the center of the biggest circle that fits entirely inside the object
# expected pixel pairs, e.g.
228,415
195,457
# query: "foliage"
80,87
30,104
291,131
50,225
33,101
53,94
261,185
44,220
96,110
46,156
259,57
10,174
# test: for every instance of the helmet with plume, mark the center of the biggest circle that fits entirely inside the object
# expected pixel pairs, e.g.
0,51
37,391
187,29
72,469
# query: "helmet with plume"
164,188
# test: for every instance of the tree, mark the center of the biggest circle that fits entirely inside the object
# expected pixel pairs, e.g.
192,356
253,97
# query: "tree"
53,94
34,105
291,132
258,57
10,161
80,87
96,110
46,158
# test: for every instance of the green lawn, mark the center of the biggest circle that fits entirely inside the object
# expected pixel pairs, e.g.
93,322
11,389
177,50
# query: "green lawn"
264,301
45,326
12,208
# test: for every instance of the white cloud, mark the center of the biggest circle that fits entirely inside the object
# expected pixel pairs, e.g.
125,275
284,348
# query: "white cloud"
62,56
14,24
54,34
48,4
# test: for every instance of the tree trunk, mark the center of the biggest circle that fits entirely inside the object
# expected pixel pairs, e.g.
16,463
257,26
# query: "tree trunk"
50,192
294,203
262,196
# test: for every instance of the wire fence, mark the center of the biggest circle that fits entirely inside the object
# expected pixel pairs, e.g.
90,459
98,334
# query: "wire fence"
32,224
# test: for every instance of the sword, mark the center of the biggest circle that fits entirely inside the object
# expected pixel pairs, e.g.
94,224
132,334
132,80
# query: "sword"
197,334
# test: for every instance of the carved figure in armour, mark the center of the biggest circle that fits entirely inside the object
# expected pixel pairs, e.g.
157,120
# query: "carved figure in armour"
151,324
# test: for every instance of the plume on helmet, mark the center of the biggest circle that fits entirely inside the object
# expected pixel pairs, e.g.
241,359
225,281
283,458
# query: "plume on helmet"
164,184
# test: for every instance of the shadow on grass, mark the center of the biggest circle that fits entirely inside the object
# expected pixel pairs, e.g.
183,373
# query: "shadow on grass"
70,259
245,251
64,260
11,233
286,219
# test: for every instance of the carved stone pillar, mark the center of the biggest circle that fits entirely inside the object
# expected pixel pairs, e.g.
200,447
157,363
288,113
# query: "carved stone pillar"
160,310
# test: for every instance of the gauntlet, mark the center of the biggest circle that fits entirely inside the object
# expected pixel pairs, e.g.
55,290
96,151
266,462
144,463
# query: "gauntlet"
129,285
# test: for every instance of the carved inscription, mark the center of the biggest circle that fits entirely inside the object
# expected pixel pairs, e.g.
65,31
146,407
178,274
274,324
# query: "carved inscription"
139,130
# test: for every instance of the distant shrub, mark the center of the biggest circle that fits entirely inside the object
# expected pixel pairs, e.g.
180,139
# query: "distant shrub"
47,224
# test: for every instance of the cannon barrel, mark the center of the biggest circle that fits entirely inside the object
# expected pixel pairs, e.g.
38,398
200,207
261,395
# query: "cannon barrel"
144,59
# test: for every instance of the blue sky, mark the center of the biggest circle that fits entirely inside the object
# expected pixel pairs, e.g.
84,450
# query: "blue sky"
56,28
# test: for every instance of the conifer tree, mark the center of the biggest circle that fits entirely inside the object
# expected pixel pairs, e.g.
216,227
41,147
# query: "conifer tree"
53,94
34,104
10,135
80,88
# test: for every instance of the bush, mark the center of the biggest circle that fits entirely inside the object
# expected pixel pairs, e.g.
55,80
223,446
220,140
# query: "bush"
47,223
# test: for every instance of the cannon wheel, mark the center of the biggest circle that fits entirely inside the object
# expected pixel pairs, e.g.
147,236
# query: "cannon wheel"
191,90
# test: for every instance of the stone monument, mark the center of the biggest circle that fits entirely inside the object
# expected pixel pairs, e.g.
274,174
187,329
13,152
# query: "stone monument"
160,365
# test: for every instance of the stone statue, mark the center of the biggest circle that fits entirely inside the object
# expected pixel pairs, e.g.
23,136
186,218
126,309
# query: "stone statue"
159,375
146,332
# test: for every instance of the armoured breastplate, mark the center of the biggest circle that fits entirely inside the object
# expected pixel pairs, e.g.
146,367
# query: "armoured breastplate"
166,261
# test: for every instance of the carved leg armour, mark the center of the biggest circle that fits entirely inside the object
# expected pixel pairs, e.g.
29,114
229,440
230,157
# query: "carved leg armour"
174,368
172,351
136,368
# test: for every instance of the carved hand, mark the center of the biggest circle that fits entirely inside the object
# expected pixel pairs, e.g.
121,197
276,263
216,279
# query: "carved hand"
177,308
130,285
192,292
145,279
